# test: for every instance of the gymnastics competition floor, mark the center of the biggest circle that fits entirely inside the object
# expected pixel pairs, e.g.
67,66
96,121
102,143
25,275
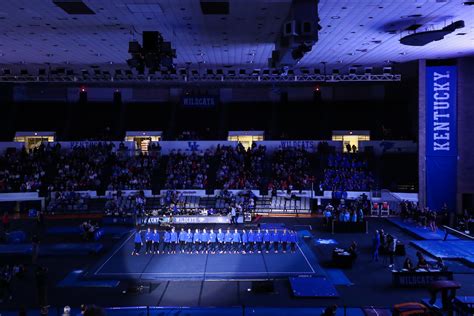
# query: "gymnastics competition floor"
119,264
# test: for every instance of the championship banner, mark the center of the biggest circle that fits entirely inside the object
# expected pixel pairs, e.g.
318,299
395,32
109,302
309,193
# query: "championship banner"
441,137
199,101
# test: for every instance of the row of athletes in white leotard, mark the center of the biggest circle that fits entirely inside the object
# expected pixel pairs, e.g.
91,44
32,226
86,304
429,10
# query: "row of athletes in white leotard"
187,241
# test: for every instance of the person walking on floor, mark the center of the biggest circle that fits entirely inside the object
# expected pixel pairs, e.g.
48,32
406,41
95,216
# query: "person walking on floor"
376,246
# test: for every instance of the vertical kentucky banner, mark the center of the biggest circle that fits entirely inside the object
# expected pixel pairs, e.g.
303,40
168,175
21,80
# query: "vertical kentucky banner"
441,136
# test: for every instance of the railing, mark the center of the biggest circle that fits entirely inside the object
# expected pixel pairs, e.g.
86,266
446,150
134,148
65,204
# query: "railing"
184,79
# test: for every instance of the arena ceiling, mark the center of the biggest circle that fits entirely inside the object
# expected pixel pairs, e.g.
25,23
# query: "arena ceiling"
362,32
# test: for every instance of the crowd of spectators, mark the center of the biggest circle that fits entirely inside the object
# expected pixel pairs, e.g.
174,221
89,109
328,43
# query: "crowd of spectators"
347,172
239,168
187,171
132,173
80,168
83,167
424,217
101,166
21,171
291,170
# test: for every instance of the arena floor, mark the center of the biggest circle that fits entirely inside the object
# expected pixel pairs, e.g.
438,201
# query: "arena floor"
366,284
120,264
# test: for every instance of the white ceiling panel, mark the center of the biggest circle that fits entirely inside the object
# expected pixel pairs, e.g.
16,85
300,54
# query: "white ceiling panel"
362,32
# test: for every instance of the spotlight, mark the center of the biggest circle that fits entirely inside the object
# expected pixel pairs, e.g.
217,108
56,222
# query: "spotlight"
82,95
387,70
117,96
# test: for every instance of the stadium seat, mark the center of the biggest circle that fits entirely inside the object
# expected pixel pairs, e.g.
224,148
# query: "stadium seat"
375,211
385,209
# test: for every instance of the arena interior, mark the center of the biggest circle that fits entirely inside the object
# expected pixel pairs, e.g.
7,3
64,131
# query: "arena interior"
236,157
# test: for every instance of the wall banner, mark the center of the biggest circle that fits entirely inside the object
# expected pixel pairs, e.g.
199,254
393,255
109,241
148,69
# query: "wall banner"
441,136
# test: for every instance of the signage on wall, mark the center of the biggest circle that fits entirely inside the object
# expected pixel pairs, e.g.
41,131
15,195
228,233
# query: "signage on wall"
199,101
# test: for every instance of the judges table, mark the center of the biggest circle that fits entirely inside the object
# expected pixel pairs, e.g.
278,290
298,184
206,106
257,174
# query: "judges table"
419,278
341,258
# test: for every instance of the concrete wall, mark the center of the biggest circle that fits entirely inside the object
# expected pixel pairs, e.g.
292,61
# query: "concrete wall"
465,177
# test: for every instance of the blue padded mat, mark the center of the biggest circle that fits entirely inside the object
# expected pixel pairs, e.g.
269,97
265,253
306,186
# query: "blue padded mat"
116,230
29,312
299,311
420,232
16,237
200,311
127,311
118,220
73,279
320,241
53,249
304,233
71,248
73,230
63,230
313,287
217,311
450,249
272,225
337,277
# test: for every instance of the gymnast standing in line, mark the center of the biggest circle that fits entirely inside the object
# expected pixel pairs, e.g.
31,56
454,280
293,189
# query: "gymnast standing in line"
138,243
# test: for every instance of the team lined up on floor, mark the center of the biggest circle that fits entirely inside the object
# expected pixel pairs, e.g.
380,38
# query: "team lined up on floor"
213,242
